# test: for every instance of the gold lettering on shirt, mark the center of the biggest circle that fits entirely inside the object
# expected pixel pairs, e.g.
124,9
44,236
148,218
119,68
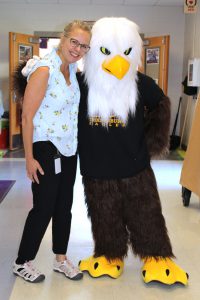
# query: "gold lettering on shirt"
113,122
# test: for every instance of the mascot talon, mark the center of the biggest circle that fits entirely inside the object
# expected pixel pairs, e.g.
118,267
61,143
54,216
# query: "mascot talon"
100,266
163,270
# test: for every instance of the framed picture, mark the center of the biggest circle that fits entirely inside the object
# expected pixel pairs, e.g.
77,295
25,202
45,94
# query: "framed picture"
152,55
90,23
25,52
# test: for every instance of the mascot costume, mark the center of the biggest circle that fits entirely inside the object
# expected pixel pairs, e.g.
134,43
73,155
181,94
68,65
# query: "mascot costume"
124,121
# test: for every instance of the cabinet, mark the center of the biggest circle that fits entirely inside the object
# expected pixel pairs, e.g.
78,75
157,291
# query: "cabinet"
190,174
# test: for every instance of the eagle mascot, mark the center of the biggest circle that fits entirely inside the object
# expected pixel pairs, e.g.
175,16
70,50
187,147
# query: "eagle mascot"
124,120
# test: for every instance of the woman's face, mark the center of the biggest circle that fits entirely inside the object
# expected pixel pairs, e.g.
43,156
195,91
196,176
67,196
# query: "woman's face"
75,45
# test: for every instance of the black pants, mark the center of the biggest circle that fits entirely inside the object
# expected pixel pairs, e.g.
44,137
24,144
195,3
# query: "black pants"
52,198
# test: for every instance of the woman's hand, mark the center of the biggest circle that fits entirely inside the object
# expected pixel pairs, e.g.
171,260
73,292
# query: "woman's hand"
32,167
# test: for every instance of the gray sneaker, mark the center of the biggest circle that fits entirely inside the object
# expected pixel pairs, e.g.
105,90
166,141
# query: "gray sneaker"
28,272
68,269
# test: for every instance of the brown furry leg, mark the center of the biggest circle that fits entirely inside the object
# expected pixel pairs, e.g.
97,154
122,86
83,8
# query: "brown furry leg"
104,204
145,222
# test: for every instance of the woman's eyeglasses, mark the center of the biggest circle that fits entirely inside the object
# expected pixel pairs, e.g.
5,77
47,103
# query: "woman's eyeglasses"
75,44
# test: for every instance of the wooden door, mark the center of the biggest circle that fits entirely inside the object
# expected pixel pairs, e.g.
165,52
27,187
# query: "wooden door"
21,48
155,59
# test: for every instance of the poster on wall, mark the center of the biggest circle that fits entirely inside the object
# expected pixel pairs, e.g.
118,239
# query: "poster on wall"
190,6
25,52
152,56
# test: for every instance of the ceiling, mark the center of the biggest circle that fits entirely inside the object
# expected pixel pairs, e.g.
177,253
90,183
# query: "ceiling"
102,2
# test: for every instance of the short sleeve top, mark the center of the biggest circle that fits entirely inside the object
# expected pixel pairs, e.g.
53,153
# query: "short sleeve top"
56,118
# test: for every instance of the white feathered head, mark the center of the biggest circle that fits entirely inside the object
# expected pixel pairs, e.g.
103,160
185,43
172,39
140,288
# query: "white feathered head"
110,68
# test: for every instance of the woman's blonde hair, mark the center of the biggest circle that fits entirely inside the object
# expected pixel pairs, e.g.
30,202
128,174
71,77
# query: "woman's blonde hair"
76,24
73,25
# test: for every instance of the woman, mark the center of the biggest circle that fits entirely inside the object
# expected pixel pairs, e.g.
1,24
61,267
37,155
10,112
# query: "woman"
49,123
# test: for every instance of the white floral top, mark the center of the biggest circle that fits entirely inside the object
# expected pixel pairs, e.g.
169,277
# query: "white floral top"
57,117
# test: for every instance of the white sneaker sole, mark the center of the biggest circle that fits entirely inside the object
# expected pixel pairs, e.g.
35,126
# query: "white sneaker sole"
79,276
40,278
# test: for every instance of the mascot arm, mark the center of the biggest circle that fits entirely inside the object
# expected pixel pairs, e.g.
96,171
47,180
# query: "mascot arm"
157,124
156,116
19,81
20,75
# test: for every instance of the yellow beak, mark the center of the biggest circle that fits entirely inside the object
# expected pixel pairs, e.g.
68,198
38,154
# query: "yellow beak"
117,66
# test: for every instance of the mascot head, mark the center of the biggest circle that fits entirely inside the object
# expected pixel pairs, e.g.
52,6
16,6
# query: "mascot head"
110,68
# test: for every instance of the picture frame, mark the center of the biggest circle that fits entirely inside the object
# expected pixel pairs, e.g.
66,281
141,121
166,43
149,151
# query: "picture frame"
25,53
152,55
90,23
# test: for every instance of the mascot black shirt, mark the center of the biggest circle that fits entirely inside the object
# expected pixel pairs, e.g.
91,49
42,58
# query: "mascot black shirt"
118,150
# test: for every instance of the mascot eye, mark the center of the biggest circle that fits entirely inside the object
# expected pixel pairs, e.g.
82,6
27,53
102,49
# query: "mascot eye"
128,51
105,51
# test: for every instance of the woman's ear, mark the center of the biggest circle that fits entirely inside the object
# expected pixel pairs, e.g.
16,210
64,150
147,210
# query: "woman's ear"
61,39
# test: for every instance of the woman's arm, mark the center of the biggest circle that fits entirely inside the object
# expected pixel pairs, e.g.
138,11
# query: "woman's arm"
34,94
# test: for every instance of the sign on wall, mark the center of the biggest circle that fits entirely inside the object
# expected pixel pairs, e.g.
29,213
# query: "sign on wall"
190,6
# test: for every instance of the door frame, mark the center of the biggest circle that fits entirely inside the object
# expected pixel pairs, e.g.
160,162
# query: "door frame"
163,44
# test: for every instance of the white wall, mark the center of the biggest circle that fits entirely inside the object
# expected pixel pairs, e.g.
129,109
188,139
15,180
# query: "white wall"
153,21
191,50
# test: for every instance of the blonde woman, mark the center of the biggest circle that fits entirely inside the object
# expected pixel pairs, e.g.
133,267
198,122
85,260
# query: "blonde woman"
49,123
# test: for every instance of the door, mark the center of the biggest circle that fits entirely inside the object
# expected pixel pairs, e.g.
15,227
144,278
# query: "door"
155,59
21,48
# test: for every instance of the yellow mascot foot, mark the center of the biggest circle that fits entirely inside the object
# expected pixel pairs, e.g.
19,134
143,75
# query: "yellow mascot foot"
100,266
163,270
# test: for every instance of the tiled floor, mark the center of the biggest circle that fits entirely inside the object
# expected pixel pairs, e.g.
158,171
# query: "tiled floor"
183,226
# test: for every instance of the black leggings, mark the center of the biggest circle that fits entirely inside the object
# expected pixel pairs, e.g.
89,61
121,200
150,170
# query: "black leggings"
52,198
